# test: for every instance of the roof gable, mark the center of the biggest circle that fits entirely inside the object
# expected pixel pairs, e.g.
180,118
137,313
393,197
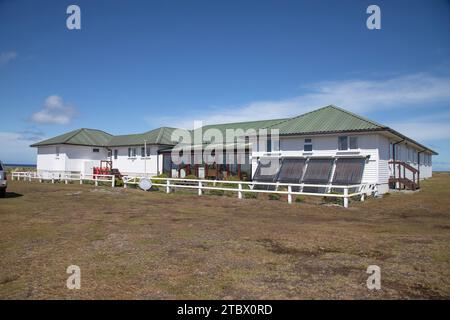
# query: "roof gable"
256,125
156,136
88,137
326,120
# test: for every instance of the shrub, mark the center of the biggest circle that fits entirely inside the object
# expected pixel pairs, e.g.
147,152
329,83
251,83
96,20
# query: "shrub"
216,192
191,176
250,195
118,182
299,199
274,196
335,200
163,175
232,178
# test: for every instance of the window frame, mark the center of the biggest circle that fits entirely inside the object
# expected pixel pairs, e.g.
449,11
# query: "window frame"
308,144
269,145
355,139
348,143
340,138
132,152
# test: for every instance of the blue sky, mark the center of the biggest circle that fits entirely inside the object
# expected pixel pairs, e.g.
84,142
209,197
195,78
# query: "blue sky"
136,65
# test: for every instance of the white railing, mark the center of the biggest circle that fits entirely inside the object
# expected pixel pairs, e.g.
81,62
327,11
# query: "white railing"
361,189
63,176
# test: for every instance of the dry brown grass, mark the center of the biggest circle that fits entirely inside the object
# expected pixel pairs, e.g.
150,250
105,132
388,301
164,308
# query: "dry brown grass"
132,245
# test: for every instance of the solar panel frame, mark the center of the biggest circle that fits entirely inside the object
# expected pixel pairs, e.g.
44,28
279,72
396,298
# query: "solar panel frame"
348,171
291,170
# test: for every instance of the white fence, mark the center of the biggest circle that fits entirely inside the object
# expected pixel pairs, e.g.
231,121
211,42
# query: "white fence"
63,176
347,191
361,190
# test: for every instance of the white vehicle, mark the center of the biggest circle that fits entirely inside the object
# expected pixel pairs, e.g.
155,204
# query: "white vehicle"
2,180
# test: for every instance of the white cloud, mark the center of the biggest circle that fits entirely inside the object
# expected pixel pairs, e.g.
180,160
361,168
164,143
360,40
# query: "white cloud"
434,126
6,57
361,96
15,148
423,131
54,111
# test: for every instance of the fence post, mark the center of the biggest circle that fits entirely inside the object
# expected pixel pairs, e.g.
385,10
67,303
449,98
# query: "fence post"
29,176
289,194
240,191
167,186
362,197
96,182
81,178
199,188
345,197
113,181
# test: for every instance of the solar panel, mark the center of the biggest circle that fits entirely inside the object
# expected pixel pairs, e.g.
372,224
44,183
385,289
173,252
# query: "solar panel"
318,171
266,172
291,170
348,171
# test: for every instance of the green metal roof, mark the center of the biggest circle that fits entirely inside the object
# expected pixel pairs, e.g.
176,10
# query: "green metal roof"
157,136
256,125
87,137
330,119
326,120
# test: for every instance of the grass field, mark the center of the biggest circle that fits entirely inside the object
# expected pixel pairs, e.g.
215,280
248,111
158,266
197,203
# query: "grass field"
131,244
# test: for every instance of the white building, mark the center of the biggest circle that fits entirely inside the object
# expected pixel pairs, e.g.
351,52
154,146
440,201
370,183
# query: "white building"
326,145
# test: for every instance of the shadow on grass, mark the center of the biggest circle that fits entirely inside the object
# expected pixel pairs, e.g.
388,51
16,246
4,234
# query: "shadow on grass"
13,195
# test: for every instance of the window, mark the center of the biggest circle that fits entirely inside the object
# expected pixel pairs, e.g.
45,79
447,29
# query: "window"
410,154
428,158
269,145
353,143
343,143
109,153
116,152
347,143
144,153
57,151
131,152
308,145
95,150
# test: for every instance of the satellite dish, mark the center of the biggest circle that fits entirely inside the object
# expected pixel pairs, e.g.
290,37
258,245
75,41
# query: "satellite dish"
145,184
